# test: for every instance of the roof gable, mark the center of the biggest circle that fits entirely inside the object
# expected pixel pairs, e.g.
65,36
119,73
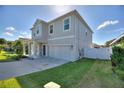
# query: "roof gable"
75,12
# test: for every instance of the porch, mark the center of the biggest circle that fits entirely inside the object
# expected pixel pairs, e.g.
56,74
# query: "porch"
39,49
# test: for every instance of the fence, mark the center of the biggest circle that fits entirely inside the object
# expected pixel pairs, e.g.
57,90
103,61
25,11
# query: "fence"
98,53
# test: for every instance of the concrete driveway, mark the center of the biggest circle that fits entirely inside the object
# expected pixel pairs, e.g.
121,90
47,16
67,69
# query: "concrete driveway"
26,66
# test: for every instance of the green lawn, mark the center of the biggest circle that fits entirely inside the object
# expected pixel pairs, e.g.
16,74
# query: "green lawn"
7,57
82,73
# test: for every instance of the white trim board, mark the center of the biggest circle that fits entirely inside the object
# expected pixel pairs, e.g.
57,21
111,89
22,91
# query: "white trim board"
59,44
64,37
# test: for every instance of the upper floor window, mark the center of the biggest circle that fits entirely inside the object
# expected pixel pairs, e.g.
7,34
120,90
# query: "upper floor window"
86,31
66,24
37,31
51,29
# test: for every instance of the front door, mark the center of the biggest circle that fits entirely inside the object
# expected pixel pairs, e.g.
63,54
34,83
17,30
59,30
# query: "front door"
44,50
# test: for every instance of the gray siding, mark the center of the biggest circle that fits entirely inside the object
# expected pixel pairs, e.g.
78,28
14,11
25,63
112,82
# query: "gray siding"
84,35
82,40
43,33
58,31
62,43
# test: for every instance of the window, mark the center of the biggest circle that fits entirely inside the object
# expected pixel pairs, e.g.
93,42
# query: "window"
66,24
51,29
37,31
86,31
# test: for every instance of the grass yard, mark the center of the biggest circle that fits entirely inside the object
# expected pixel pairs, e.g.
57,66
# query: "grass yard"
82,73
6,57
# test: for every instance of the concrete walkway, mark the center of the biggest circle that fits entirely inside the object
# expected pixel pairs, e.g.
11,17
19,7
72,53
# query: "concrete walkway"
26,66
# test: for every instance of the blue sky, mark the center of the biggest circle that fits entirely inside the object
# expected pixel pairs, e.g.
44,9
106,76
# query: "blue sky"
107,22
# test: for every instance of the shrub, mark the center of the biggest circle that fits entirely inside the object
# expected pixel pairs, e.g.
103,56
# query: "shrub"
16,57
118,57
18,47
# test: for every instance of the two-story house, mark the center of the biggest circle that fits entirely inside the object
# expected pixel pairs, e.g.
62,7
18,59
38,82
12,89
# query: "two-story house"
64,37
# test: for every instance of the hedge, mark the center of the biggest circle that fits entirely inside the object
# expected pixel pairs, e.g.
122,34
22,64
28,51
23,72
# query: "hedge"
118,57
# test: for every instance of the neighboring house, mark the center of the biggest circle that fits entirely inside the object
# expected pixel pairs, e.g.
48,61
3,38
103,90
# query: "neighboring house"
64,37
117,41
26,45
96,45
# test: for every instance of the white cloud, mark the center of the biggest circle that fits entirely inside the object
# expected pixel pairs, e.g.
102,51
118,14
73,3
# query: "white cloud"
10,28
24,35
8,34
20,36
107,23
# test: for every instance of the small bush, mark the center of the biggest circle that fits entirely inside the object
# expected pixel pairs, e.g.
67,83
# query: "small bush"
118,57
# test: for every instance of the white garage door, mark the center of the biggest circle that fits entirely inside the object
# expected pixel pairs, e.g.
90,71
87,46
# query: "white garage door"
61,52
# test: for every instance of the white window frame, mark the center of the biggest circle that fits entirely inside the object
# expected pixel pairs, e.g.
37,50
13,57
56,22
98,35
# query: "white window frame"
49,29
69,23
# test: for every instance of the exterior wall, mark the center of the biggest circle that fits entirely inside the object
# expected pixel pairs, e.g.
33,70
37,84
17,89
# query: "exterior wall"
74,39
98,53
43,32
36,49
60,36
83,37
58,29
68,40
34,31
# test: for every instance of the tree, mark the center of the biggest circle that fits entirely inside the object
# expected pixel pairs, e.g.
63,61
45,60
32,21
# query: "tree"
109,42
10,45
18,47
2,41
2,47
122,43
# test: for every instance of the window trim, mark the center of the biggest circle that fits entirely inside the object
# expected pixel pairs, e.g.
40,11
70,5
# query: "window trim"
69,23
49,29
